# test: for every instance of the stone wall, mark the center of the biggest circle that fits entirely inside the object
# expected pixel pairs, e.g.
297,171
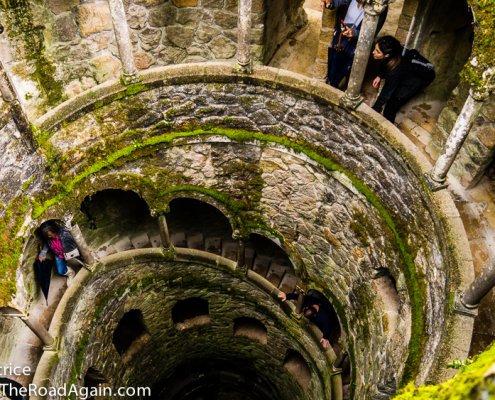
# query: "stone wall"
285,162
55,50
153,287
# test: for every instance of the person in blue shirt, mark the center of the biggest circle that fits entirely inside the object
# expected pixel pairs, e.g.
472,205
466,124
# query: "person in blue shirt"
316,311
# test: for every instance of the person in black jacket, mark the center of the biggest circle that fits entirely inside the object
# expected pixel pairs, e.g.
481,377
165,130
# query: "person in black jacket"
406,73
316,311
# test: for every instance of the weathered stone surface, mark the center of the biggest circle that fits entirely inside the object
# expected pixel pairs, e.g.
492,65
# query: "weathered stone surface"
213,3
94,17
106,67
222,47
66,28
205,32
226,20
171,55
163,15
143,60
60,6
150,38
136,16
149,3
188,16
180,36
185,3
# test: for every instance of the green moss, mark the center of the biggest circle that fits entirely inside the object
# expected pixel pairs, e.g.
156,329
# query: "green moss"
483,45
468,384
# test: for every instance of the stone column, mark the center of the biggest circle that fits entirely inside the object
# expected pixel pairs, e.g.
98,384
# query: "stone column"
243,56
352,98
39,331
124,45
479,288
437,176
83,247
9,95
164,234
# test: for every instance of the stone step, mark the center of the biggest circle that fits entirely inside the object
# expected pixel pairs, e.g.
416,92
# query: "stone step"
141,241
123,244
288,282
178,239
156,241
230,249
213,245
196,241
105,250
261,264
275,273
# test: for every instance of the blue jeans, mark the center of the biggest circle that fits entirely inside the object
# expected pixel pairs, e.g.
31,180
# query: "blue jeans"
61,265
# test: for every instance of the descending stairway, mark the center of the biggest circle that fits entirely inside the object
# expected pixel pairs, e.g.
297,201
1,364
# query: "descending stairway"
277,271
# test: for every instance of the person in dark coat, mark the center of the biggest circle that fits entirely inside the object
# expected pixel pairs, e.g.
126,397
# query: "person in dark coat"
316,311
350,14
406,73
60,242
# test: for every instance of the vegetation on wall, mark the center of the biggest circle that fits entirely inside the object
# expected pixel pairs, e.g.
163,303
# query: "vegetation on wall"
470,383
30,42
483,54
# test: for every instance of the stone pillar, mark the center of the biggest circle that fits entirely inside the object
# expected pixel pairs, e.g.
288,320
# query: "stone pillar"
243,56
121,30
437,176
241,259
479,288
164,234
83,247
9,95
352,98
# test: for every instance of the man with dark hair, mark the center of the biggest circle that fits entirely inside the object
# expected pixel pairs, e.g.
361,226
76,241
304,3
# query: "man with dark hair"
316,311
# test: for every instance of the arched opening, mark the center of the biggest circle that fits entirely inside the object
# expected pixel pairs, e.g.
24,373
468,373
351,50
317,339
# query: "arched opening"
190,312
250,328
333,319
269,260
386,288
131,334
94,380
198,225
297,366
117,220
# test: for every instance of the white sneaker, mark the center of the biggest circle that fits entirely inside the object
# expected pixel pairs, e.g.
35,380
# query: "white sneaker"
70,275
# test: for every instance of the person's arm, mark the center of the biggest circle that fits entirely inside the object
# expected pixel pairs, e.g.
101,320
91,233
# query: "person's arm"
43,252
391,83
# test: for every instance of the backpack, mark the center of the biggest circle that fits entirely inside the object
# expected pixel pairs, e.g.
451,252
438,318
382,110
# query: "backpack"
420,66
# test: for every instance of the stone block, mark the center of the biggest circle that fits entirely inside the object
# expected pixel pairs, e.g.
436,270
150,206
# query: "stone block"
213,245
188,16
261,264
105,67
123,244
230,249
156,241
60,6
275,273
196,241
66,28
222,48
288,283
149,3
163,15
226,20
136,17
180,36
178,239
93,18
141,241
150,38
185,3
213,3
143,60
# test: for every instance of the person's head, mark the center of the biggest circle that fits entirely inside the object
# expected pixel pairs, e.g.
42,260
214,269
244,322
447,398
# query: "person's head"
309,311
386,48
49,231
